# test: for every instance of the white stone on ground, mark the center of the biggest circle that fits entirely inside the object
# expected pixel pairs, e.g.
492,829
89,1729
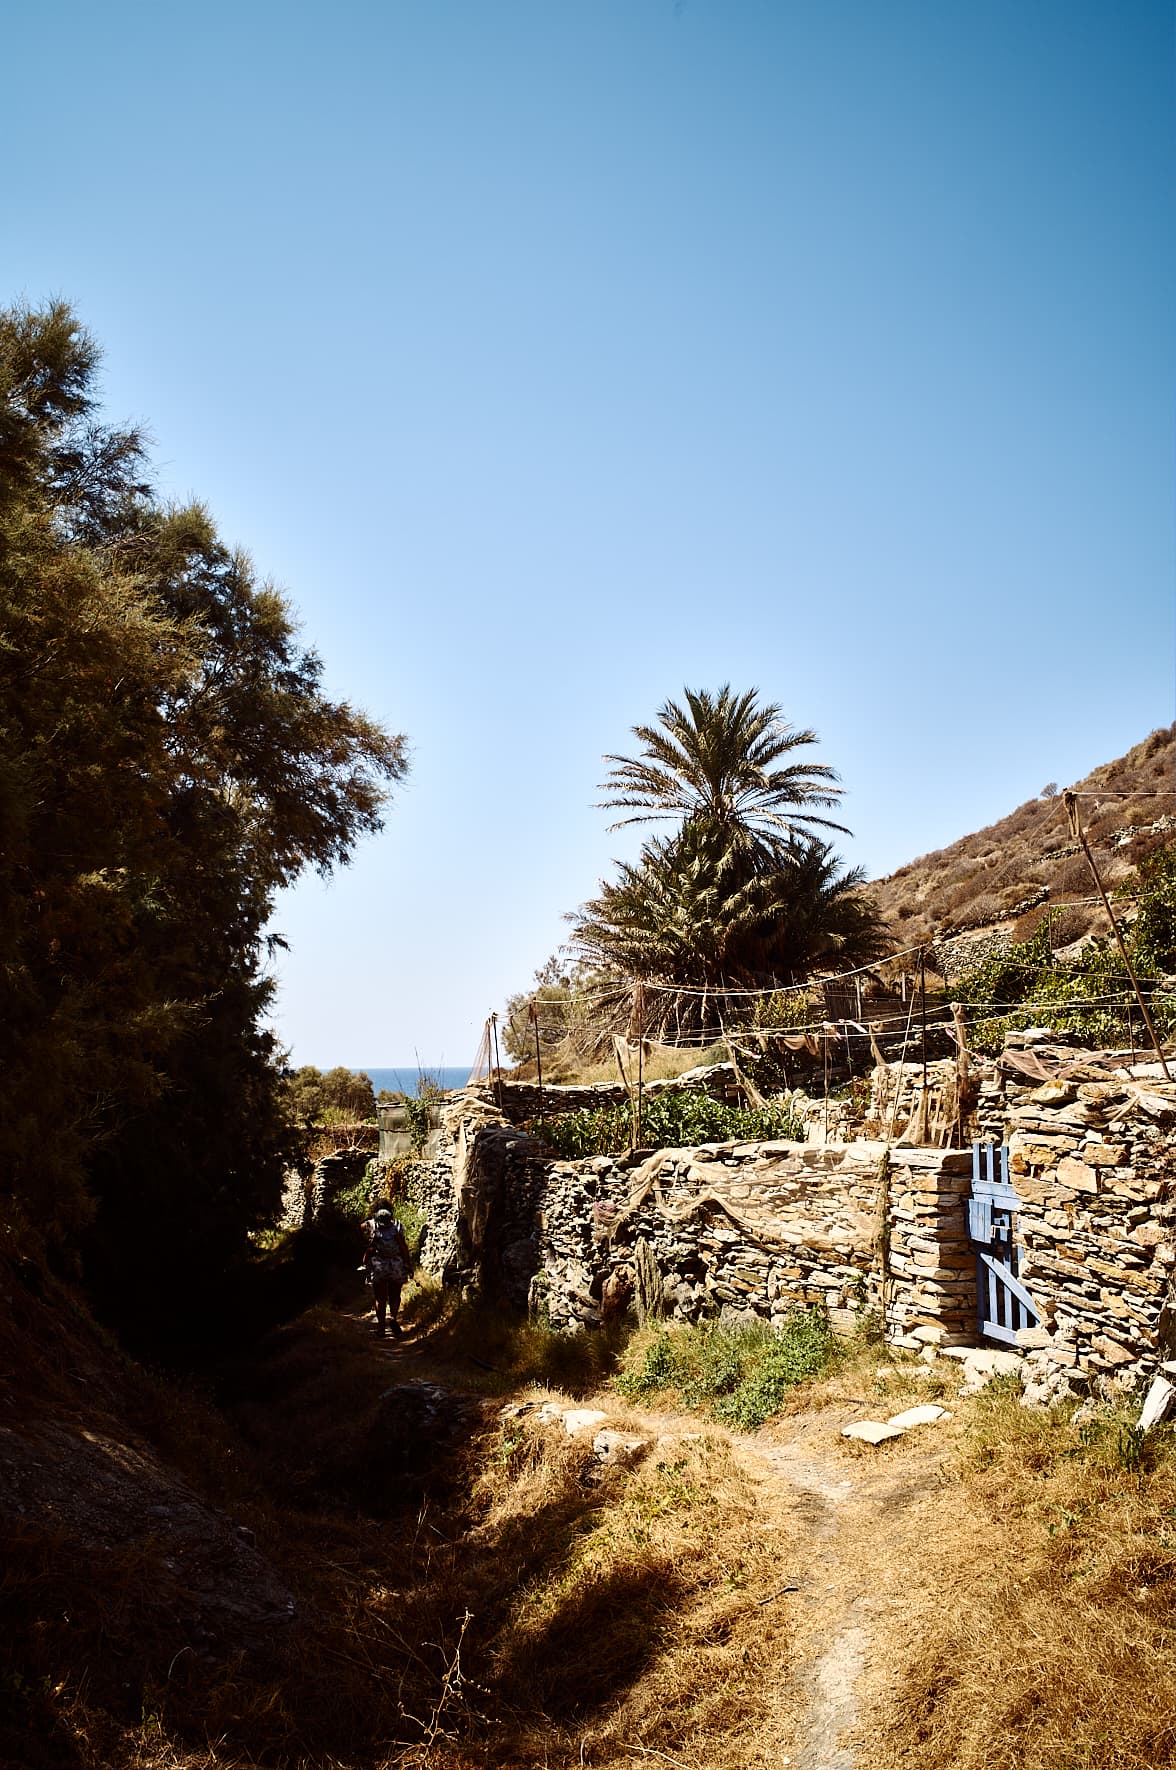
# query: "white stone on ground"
918,1416
871,1431
582,1419
615,1447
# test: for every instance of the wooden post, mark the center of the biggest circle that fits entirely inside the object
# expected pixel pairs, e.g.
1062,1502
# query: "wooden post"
919,1121
497,1060
640,1083
538,1060
637,1028
1069,800
963,1072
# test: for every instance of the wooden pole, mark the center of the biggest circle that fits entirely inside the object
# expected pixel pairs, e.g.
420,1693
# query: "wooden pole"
637,1020
1070,802
640,1082
497,1061
538,1060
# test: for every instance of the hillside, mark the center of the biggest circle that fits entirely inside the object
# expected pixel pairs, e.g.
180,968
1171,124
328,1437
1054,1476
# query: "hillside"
1010,873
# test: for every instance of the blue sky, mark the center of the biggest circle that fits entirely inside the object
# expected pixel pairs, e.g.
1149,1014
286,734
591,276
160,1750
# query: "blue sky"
555,356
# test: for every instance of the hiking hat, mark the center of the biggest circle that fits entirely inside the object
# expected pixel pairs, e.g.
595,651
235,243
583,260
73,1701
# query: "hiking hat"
383,1215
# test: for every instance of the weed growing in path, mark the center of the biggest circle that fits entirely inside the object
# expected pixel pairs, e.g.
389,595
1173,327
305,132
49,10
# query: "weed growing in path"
741,1374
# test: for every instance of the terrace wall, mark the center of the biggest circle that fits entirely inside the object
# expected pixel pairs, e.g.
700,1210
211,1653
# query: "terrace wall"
854,1227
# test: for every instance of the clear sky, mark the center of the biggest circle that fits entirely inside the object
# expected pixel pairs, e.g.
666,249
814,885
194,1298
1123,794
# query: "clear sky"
554,356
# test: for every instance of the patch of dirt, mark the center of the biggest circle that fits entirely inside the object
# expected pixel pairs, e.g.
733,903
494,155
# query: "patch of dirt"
868,1510
853,1582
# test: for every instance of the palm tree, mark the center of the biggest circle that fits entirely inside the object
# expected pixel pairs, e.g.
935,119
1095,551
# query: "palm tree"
714,763
699,918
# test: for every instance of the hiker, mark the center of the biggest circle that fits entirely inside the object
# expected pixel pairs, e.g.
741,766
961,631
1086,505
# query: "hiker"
386,1264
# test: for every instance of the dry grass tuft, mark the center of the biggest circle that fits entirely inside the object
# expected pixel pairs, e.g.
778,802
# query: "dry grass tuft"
1044,1639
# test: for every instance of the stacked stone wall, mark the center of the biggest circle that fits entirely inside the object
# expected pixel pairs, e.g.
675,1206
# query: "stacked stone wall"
763,1229
854,1227
1094,1164
522,1102
756,1227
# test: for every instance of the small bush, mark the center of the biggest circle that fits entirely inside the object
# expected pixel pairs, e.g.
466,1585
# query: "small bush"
668,1121
740,1375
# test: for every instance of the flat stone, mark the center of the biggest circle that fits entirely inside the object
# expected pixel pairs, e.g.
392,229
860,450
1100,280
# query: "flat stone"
1053,1094
1077,1174
582,1419
1157,1404
1104,1155
615,1447
918,1416
1112,1351
871,1431
993,1362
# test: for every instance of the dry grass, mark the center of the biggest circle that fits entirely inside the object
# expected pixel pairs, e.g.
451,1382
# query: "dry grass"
500,1598
1043,1637
506,1600
988,872
662,1065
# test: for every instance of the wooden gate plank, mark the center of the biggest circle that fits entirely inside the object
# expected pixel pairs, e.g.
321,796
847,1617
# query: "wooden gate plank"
1009,1281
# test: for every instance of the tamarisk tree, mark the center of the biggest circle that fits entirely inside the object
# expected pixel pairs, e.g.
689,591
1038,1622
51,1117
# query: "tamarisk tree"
168,761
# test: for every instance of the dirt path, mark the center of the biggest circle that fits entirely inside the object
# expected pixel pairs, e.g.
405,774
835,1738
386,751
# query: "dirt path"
866,1514
862,1515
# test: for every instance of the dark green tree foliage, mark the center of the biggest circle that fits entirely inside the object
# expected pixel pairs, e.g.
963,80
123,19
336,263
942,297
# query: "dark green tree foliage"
700,916
316,1098
168,760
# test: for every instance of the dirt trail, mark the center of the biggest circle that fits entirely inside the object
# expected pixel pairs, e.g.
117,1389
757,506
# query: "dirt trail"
863,1515
866,1514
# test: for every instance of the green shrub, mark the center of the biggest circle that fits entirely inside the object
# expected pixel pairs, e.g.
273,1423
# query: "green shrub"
1093,998
740,1375
668,1121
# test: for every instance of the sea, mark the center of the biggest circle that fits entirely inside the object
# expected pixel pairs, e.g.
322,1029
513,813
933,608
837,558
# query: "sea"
408,1077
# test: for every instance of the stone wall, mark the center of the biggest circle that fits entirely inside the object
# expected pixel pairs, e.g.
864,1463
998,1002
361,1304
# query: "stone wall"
1093,1160
522,1102
858,1226
760,1227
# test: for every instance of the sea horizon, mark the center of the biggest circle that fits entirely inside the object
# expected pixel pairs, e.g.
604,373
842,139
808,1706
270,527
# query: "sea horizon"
405,1078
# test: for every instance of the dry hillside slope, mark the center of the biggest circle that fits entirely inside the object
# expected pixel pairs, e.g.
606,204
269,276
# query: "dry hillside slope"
1015,869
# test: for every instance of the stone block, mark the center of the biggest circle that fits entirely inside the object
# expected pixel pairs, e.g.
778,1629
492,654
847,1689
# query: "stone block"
1077,1175
1104,1155
871,1431
1112,1351
918,1416
616,1447
1025,1156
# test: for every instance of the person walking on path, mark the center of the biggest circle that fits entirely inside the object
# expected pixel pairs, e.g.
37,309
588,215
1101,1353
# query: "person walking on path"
386,1265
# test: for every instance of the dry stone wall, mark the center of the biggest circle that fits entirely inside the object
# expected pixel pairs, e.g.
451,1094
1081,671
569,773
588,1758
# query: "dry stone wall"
1093,1160
853,1227
759,1228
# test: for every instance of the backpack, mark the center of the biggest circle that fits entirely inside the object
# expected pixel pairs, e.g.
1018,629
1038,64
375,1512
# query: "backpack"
389,1243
